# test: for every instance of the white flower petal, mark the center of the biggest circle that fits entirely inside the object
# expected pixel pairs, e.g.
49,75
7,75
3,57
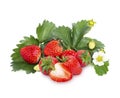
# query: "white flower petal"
101,53
95,62
105,59
95,55
100,63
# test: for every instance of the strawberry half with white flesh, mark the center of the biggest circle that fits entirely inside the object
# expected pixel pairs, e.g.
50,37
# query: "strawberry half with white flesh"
60,73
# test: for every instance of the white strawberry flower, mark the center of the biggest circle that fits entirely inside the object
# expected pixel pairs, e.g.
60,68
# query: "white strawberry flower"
99,58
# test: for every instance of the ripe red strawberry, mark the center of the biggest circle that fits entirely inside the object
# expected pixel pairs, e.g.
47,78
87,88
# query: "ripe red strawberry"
83,57
68,52
31,53
60,73
73,65
53,48
46,64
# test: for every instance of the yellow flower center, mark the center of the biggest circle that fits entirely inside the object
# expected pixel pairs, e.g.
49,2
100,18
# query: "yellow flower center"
91,23
99,58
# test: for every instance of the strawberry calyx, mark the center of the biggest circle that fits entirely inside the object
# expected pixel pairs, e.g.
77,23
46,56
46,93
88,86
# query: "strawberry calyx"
46,64
62,59
86,58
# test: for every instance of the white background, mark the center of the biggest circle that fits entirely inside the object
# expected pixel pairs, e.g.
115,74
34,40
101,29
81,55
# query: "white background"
20,18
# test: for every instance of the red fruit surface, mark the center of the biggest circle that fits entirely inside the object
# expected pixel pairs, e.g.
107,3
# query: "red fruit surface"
53,48
73,65
31,53
68,52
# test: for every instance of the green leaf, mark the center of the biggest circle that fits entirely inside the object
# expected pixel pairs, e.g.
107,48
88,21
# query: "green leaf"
17,62
64,34
83,44
23,66
99,44
44,31
101,70
79,30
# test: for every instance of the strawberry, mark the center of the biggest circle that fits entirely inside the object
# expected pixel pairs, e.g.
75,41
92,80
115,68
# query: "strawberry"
60,73
73,65
46,64
53,48
31,53
68,52
83,57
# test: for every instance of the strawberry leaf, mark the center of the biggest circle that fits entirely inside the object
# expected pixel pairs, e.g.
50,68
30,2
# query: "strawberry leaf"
101,70
79,29
64,34
83,44
23,66
44,31
17,62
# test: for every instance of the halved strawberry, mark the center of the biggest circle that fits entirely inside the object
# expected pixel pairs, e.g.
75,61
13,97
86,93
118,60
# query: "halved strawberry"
31,53
53,48
46,64
60,73
83,57
68,52
73,65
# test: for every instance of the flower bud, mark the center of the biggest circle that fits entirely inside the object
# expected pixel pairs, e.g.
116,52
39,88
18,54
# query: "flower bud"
91,44
36,68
